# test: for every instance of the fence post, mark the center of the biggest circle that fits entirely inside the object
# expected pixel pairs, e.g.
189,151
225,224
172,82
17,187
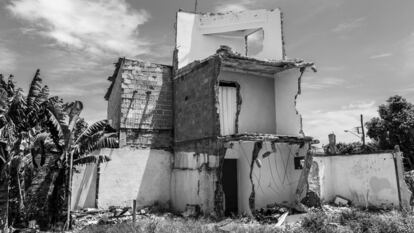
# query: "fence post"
134,210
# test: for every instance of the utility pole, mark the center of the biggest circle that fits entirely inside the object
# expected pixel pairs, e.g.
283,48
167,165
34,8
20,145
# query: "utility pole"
195,6
362,130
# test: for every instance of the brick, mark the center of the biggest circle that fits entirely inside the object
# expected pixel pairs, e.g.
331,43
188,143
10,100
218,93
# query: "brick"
194,113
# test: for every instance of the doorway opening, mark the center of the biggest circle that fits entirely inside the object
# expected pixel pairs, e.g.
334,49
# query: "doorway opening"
229,183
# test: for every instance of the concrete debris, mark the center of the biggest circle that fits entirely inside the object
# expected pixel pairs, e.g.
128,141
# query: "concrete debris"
191,211
113,215
341,201
312,200
271,213
259,163
281,219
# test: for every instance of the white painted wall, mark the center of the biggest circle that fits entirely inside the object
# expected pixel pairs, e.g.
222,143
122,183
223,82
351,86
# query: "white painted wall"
84,187
257,114
141,174
367,179
191,183
288,120
275,181
200,35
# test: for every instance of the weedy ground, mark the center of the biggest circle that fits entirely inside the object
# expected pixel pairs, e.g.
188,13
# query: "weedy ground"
325,220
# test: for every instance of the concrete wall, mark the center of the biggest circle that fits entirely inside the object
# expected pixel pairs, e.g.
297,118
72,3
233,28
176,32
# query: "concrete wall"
288,120
200,35
195,110
84,186
257,113
194,180
140,174
275,181
368,179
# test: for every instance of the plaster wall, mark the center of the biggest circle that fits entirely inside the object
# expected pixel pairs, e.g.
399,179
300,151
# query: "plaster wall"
257,112
288,120
275,181
200,35
193,180
84,187
368,179
140,174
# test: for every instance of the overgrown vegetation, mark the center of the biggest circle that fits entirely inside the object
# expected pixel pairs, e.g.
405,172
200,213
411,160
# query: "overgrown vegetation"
343,148
38,125
394,126
326,220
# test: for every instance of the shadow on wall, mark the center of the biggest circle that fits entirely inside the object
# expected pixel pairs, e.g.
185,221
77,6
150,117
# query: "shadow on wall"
141,174
132,174
154,179
85,187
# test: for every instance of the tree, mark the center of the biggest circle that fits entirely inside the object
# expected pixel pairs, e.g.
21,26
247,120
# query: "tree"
394,126
20,120
37,125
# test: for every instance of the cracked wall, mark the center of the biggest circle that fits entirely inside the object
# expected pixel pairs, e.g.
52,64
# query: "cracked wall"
287,89
257,110
366,180
275,181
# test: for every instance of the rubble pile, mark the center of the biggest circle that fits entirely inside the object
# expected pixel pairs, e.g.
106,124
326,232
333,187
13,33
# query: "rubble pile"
271,214
92,216
113,215
312,200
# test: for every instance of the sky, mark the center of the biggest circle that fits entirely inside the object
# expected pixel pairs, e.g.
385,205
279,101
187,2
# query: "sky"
364,50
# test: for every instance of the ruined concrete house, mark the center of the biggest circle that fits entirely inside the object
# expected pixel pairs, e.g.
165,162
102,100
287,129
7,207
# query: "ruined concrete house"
218,129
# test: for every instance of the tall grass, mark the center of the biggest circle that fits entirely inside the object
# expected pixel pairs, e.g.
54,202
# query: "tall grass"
344,220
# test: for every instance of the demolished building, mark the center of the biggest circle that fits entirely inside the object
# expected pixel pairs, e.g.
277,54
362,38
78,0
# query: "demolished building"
218,129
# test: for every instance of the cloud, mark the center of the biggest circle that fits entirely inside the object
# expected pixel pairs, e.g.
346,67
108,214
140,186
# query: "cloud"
8,59
233,5
349,25
382,55
407,49
318,83
97,27
320,123
406,90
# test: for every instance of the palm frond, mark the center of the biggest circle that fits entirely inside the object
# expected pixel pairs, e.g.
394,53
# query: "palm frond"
73,109
10,85
95,142
17,110
35,112
54,126
4,101
106,142
35,89
40,139
43,96
2,82
91,159
93,129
